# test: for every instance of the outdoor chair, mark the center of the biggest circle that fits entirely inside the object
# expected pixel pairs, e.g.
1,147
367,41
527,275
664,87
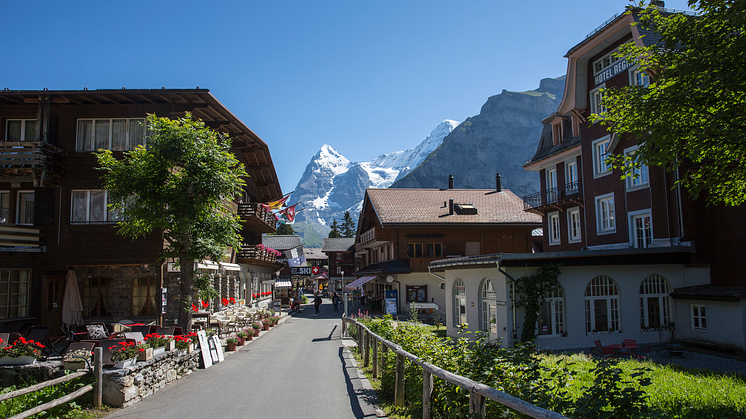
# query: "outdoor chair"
597,347
80,345
96,331
144,330
37,333
607,351
165,331
137,336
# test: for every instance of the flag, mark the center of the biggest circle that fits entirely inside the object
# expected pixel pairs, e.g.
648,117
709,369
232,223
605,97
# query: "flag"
279,203
296,257
289,213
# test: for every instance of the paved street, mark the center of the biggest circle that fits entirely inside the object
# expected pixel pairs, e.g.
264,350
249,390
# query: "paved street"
298,370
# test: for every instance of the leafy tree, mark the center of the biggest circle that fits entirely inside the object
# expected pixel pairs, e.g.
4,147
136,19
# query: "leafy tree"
177,186
348,227
692,114
284,230
532,291
334,233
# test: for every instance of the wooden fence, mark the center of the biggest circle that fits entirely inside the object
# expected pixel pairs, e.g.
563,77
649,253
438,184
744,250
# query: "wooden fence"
368,343
95,387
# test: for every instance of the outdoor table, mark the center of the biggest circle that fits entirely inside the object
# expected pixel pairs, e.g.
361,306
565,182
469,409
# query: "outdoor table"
619,346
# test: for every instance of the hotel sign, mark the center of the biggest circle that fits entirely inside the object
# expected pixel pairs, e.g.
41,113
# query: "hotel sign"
611,71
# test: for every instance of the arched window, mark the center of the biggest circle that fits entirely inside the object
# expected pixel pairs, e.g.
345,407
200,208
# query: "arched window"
655,306
459,302
552,316
489,309
96,296
143,296
601,305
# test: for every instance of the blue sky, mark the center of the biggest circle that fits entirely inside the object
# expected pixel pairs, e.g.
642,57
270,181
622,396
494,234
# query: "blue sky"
366,77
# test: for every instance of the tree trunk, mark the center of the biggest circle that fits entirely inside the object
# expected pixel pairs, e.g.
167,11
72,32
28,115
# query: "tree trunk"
185,291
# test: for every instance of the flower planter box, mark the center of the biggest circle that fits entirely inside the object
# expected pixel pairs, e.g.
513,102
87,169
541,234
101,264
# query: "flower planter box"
171,345
144,356
124,364
158,351
75,364
190,349
19,360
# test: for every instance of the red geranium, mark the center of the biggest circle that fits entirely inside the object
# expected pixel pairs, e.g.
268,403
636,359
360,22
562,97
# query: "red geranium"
205,304
233,300
194,308
224,301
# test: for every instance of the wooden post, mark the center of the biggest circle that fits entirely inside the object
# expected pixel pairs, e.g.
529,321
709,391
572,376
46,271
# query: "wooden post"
366,359
384,349
344,328
375,358
399,388
476,405
98,359
427,394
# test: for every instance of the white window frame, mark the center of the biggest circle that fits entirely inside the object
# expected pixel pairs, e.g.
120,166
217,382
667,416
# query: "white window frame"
636,75
557,133
602,206
600,167
488,299
552,190
574,235
640,177
23,129
571,177
110,217
5,196
655,287
110,121
23,280
459,300
698,316
554,303
599,289
596,99
18,208
633,216
553,224
605,61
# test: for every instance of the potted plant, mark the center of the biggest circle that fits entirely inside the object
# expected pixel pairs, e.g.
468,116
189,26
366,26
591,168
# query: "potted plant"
77,359
231,342
242,335
146,353
675,349
195,341
256,327
159,343
21,352
124,354
182,344
265,324
249,333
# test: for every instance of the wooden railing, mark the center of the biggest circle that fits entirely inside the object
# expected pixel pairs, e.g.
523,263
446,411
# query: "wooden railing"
478,392
19,236
255,253
96,387
31,154
369,237
264,220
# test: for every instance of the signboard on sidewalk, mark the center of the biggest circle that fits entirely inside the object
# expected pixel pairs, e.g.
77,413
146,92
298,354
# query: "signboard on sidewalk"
205,356
390,306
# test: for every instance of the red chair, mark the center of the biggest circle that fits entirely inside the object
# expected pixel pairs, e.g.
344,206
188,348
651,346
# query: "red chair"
607,351
597,348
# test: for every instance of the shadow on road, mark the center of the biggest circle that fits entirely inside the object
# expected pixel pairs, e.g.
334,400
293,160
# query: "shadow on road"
353,392
326,338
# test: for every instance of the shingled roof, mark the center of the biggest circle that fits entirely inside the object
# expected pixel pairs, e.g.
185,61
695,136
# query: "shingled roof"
339,244
281,242
546,147
431,207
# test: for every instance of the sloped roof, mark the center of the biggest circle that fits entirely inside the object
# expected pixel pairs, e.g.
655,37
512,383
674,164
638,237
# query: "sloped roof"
395,266
710,292
341,244
314,253
280,242
430,207
546,147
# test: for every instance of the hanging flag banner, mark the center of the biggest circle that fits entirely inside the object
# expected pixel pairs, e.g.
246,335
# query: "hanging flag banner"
290,213
295,256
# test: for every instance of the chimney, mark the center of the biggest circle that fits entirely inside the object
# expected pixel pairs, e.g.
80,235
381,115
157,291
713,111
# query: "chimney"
450,206
658,3
497,183
450,181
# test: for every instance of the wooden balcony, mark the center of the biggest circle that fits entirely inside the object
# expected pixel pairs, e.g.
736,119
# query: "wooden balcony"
254,255
257,218
420,264
559,198
371,238
34,161
20,239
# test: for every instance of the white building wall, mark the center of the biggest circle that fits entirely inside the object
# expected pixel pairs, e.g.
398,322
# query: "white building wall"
726,322
434,292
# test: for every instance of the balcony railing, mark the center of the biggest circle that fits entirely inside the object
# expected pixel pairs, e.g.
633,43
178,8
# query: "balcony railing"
255,255
19,238
257,217
371,238
569,193
33,161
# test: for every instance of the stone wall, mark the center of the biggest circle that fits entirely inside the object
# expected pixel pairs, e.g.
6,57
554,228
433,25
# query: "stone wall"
127,386
21,375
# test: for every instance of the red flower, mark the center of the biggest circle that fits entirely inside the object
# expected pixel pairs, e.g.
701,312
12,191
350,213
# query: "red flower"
233,300
225,301
205,303
194,308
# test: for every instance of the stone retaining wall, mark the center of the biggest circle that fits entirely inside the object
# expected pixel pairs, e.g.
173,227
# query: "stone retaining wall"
21,375
127,386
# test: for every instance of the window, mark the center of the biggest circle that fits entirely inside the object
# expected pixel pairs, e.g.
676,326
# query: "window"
601,305
600,153
605,61
557,133
414,250
110,134
143,296
4,207
597,96
571,178
25,208
459,302
434,250
339,257
552,195
699,319
641,229
638,177
91,207
605,214
14,293
552,315
96,296
339,270
554,228
417,293
573,225
655,311
638,78
21,130
489,307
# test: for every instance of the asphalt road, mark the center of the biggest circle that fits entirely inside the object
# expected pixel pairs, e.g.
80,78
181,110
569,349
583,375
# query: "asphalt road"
298,370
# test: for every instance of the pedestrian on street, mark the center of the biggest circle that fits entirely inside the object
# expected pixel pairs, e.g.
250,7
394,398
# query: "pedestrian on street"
317,303
335,302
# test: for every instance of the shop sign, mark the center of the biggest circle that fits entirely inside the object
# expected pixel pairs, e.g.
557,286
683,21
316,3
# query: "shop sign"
301,270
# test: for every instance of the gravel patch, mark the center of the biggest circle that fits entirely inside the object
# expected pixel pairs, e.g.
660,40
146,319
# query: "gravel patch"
700,361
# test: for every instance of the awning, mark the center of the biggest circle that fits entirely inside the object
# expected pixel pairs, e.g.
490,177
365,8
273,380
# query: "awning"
230,266
360,281
283,284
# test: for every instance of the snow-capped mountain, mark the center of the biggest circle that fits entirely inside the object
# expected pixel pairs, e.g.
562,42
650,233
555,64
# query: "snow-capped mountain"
331,184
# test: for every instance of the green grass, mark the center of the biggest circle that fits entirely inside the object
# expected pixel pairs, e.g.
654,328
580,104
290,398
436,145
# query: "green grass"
80,408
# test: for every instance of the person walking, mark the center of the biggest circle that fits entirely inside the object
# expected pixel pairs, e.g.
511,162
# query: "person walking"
335,302
317,303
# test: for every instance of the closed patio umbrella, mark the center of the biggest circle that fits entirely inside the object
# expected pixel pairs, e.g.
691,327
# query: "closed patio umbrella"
72,307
